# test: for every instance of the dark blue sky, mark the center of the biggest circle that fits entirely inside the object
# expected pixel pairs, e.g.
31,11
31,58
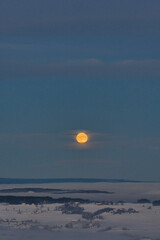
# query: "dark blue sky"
77,65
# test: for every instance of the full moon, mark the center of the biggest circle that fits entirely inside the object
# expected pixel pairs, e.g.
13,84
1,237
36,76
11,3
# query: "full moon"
82,137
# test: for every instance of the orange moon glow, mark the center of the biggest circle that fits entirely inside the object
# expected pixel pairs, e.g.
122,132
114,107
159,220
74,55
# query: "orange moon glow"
82,137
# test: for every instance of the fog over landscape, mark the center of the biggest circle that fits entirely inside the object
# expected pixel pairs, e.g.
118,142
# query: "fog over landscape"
79,120
76,210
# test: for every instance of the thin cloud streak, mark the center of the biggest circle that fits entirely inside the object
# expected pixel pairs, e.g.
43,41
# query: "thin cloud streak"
67,141
127,69
79,18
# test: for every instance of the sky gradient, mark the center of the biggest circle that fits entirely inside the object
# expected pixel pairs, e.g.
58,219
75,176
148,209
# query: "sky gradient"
77,65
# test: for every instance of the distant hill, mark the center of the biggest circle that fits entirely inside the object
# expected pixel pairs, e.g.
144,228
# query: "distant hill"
60,180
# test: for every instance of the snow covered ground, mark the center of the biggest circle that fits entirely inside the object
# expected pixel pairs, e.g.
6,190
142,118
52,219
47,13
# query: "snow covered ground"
97,220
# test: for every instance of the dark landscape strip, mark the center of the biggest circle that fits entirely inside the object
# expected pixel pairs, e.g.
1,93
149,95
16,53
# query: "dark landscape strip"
51,190
16,200
61,180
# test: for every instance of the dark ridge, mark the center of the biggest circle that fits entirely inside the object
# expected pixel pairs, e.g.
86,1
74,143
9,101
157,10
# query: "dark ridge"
50,190
90,216
16,200
156,203
61,180
36,190
143,200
